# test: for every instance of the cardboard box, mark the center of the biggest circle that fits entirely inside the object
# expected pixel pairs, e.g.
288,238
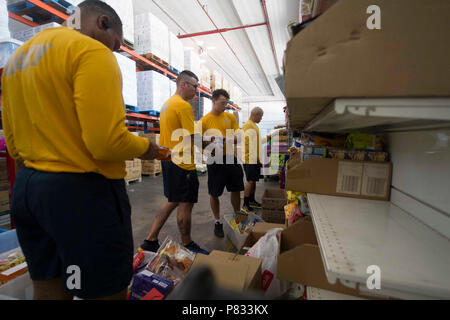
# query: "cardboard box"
300,260
273,215
232,271
356,179
274,199
259,231
338,56
236,238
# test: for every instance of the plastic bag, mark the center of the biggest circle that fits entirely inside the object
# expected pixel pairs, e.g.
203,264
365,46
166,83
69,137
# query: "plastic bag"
266,249
172,262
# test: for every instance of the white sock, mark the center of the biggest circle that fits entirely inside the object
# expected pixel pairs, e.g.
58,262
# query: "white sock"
219,221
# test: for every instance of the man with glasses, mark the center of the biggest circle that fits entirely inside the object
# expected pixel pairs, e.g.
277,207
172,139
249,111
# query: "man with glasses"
179,174
226,172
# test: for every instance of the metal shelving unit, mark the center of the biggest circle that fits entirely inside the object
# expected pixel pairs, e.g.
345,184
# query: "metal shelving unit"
354,234
320,294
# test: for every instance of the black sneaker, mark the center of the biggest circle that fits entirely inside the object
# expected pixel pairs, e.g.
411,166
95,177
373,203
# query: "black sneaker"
195,248
218,230
256,205
247,209
147,245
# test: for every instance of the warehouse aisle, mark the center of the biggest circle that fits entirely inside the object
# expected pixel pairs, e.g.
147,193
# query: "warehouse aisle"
146,198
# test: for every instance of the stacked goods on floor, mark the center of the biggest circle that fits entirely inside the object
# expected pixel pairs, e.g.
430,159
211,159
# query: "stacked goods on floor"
129,79
273,202
353,165
205,76
151,36
216,80
176,52
151,167
4,195
29,33
134,170
153,90
4,28
192,62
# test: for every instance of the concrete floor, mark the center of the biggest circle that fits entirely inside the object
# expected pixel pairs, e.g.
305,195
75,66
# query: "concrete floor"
147,196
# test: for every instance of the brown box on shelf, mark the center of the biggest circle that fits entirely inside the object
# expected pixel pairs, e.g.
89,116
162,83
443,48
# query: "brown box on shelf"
300,260
356,179
232,271
259,231
323,61
274,199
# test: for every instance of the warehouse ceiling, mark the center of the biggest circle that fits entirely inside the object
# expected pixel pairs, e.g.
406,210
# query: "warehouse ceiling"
244,56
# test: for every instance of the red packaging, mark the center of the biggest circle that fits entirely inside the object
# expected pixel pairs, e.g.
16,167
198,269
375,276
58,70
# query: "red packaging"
138,260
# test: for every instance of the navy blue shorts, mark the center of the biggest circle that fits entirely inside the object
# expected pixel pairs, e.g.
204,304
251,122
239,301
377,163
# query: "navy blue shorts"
74,219
180,185
252,172
225,175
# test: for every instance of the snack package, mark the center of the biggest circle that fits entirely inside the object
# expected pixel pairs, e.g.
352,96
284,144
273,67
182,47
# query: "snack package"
365,141
292,196
146,282
323,139
13,260
302,201
172,261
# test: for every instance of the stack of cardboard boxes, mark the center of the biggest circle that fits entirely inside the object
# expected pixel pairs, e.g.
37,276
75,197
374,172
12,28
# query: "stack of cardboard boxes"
151,36
134,170
153,90
151,167
27,34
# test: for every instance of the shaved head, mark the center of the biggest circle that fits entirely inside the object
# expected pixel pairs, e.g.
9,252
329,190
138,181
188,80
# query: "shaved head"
256,114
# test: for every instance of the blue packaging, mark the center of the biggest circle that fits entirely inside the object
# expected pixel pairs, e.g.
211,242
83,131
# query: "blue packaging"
145,281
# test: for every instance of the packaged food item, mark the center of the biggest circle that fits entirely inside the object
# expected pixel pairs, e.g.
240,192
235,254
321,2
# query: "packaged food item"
365,141
13,260
377,156
357,155
302,201
150,286
172,261
292,196
335,153
292,212
323,139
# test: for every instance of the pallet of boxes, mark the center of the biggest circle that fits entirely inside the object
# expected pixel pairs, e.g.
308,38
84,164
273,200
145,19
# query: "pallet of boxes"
151,168
134,171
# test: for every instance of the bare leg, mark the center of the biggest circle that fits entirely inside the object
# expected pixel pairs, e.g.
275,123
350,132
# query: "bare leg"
50,290
249,188
184,221
236,201
161,219
215,206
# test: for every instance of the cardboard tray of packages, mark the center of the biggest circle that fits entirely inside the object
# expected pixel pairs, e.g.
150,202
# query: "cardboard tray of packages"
300,260
338,56
259,231
236,238
232,271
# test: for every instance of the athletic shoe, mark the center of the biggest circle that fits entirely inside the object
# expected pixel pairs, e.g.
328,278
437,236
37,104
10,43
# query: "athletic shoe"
152,246
218,230
256,205
195,248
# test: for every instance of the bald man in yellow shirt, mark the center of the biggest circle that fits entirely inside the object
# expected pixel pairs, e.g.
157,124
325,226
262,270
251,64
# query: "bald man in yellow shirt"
64,115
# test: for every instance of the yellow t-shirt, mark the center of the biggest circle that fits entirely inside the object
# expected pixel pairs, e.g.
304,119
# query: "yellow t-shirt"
217,125
63,109
251,140
176,127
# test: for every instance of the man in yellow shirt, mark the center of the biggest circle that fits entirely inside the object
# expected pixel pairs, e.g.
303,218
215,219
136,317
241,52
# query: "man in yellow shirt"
226,172
251,157
180,174
63,114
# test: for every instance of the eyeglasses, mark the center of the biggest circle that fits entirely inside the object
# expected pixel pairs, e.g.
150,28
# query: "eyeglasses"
194,85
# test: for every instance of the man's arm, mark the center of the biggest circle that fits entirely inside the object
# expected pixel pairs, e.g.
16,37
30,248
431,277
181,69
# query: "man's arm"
101,111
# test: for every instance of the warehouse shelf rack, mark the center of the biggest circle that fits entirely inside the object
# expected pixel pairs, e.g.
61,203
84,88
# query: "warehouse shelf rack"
125,50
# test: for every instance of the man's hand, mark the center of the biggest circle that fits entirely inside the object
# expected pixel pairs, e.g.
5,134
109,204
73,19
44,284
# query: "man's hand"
152,151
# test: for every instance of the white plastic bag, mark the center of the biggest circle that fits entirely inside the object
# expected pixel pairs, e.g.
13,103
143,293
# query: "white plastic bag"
266,249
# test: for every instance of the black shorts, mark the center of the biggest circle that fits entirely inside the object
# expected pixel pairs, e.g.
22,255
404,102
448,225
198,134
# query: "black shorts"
179,185
225,175
252,172
75,219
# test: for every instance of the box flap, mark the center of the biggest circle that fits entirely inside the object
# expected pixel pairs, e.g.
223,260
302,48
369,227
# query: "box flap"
301,232
230,270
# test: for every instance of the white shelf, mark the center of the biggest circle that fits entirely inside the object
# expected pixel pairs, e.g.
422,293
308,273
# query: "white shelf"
320,294
354,234
384,114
